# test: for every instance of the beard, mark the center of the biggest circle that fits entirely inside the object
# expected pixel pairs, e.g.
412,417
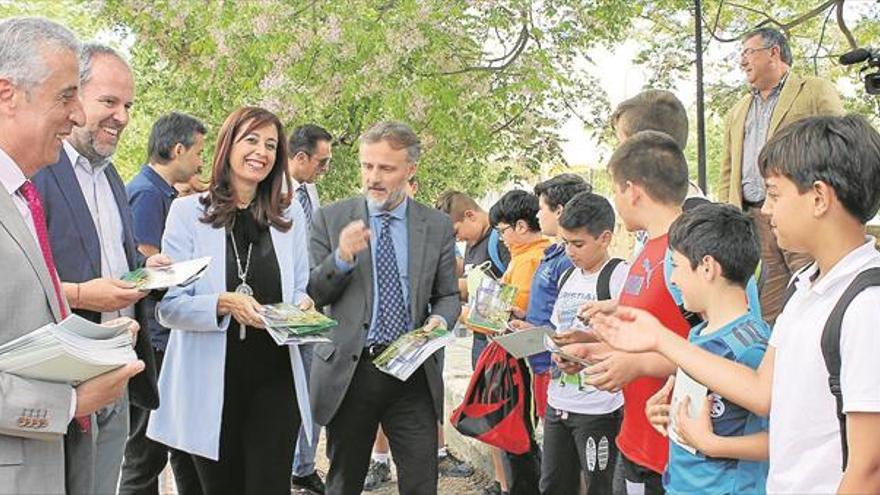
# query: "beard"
393,199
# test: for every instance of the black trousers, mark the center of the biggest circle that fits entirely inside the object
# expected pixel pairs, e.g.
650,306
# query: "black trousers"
259,424
406,412
575,444
635,473
145,458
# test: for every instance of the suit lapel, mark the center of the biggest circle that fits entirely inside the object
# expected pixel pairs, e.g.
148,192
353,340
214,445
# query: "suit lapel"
121,198
12,221
365,258
789,93
79,210
416,233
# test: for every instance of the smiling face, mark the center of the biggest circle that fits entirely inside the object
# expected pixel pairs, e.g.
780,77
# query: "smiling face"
691,281
760,63
43,115
384,174
107,98
253,155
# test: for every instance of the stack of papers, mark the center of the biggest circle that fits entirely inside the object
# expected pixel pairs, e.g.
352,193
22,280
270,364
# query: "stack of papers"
72,351
489,306
404,356
176,274
287,324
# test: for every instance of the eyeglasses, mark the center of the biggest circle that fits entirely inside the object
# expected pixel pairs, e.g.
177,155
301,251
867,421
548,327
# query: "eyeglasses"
322,163
748,52
502,230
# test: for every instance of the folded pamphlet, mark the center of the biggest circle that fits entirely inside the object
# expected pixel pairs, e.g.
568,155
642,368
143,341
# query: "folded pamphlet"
526,342
287,324
72,351
176,274
404,356
685,386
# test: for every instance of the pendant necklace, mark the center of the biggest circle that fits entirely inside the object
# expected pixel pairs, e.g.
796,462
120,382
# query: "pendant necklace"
243,287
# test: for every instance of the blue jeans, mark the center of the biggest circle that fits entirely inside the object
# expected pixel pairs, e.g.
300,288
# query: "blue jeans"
304,455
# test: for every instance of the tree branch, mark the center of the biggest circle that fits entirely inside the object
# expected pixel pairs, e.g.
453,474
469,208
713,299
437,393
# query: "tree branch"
841,24
509,58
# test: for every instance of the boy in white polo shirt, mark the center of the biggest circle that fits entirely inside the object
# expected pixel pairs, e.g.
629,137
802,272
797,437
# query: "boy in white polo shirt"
823,184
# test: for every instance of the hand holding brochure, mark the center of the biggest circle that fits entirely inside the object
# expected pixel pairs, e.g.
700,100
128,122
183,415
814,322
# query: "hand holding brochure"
287,324
72,351
176,274
685,386
490,305
404,356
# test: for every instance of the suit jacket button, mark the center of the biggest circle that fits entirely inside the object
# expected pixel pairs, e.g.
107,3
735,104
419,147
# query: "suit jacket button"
366,326
354,357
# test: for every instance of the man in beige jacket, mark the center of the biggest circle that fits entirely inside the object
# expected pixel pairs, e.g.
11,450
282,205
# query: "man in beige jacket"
776,98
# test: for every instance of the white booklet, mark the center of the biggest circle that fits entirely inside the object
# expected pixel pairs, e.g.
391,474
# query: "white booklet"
526,342
685,386
176,274
72,351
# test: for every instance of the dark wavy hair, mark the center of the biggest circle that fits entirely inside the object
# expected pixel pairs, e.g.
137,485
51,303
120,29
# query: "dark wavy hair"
220,203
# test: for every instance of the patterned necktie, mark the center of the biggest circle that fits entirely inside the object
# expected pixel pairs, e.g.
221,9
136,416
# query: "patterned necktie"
393,319
302,195
32,196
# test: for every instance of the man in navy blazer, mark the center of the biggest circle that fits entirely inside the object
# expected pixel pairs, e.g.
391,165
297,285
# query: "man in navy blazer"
90,229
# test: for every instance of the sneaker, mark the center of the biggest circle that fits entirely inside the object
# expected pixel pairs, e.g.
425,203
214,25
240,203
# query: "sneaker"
311,484
378,473
453,467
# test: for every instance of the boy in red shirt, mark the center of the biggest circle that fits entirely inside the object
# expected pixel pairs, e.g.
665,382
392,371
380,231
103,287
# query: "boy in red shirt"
650,179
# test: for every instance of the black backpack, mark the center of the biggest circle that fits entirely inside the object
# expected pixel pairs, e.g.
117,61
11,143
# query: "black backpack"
831,341
603,284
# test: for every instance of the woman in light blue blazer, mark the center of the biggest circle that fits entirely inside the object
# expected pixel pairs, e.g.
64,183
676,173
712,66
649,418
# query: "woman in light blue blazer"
228,394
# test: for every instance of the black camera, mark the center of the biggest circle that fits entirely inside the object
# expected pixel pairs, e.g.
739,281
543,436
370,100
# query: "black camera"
872,79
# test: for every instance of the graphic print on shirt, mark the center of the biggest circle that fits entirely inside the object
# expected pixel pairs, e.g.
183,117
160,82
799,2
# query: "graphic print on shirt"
567,306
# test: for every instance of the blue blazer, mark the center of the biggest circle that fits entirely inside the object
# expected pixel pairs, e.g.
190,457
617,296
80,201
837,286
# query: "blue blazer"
192,371
77,254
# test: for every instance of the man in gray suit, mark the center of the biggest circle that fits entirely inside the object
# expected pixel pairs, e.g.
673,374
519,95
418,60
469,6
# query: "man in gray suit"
39,105
383,265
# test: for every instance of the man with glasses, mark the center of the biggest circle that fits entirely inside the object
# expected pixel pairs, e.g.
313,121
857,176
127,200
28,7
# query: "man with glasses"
309,155
776,98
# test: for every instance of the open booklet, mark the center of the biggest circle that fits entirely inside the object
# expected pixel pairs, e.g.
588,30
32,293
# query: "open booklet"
287,324
72,351
489,304
685,386
404,356
176,274
526,342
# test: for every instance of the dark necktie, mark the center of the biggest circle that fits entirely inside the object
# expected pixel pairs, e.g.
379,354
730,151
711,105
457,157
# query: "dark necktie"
302,195
393,318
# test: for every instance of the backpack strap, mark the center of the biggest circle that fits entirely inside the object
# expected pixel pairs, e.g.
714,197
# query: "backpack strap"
564,277
495,253
603,284
831,344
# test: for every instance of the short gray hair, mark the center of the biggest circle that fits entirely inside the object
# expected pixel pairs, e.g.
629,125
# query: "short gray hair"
772,37
24,42
398,135
87,56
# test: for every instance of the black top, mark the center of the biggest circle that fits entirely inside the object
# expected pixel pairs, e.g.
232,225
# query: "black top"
262,357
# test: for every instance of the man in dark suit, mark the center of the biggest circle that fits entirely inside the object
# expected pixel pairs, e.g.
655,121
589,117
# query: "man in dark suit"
383,265
90,229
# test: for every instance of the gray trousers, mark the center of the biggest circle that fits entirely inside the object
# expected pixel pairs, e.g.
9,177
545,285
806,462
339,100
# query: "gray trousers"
93,459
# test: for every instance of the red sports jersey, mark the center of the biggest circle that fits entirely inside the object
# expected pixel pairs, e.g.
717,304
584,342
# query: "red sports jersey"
645,288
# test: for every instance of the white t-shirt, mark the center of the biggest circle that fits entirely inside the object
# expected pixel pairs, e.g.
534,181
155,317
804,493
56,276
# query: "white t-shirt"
805,453
569,392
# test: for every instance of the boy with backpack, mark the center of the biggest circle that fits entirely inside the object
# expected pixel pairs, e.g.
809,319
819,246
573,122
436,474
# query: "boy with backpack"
581,422
649,175
819,379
